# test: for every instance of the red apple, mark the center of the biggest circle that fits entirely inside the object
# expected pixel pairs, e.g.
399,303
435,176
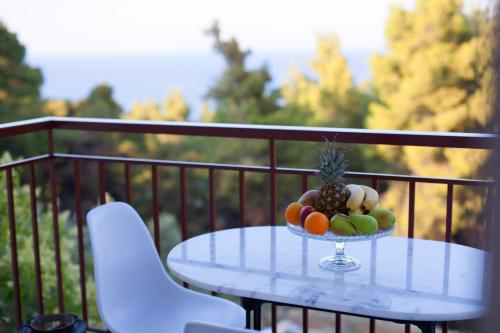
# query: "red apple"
304,212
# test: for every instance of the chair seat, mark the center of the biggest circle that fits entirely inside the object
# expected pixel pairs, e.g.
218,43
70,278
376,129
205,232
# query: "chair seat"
172,317
205,327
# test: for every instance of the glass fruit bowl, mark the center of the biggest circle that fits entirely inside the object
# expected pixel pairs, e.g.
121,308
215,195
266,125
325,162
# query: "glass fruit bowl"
339,262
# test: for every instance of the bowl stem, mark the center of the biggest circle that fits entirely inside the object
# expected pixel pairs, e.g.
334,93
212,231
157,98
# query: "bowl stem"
340,262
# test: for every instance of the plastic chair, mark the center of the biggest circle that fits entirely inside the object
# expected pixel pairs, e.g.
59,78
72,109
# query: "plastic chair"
202,327
134,293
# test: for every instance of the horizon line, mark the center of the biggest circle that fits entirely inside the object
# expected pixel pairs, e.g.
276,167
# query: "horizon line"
30,55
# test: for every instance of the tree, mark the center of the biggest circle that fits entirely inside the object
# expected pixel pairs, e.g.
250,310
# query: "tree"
435,76
19,93
99,104
19,83
173,108
176,107
241,95
331,96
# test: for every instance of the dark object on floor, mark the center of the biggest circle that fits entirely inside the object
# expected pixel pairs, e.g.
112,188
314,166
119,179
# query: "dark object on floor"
56,323
4,325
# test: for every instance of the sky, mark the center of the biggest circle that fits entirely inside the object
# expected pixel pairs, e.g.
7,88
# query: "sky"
81,43
62,27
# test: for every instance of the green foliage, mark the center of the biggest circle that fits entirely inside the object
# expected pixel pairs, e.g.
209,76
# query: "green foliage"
69,265
99,104
173,108
436,76
241,94
331,97
19,93
19,83
170,234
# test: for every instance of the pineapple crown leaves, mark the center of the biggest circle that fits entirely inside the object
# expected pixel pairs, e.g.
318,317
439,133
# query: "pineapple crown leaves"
332,162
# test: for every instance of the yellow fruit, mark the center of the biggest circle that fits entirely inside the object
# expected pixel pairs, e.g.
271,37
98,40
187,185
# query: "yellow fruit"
356,197
357,211
371,197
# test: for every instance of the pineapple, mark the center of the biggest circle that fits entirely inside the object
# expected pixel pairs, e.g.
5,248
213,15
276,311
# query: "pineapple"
333,193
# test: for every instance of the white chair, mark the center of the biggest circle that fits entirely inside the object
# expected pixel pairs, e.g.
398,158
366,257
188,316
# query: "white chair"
201,327
134,293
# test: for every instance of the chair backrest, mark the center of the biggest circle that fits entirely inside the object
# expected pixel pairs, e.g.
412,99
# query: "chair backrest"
129,275
202,327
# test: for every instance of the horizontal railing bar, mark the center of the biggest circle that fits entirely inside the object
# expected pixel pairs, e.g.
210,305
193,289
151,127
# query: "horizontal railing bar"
266,169
298,133
395,177
24,161
25,126
420,179
145,161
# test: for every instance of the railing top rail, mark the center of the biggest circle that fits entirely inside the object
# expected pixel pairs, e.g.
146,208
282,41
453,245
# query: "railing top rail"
298,133
24,126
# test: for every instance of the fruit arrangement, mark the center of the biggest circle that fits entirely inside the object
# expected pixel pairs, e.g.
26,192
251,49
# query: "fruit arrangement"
343,209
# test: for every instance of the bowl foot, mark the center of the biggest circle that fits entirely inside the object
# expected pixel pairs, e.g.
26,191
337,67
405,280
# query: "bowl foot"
345,264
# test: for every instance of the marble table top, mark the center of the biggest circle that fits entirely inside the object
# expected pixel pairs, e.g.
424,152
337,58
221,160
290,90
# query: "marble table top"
399,278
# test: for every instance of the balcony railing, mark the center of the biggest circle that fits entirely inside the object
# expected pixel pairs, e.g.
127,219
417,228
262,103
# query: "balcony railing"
272,134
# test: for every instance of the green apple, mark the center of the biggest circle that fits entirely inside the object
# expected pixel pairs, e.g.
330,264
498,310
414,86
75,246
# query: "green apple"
384,217
364,224
341,225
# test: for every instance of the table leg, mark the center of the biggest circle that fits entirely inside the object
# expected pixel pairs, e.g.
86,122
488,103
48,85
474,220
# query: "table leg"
248,314
427,327
257,318
255,305
424,326
252,305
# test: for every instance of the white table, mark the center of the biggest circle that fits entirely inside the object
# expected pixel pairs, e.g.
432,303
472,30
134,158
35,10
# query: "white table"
403,280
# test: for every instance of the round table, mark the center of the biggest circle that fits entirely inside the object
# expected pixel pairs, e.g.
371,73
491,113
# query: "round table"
414,281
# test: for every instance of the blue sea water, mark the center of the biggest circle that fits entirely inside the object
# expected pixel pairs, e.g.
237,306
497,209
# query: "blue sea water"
151,77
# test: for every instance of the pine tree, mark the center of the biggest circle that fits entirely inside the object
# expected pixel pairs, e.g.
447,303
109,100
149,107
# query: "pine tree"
241,95
331,96
19,82
435,76
19,94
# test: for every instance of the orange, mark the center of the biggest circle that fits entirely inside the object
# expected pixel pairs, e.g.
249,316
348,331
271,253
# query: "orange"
292,213
317,223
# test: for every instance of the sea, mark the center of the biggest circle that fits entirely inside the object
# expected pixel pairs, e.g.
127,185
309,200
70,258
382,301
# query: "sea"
149,77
